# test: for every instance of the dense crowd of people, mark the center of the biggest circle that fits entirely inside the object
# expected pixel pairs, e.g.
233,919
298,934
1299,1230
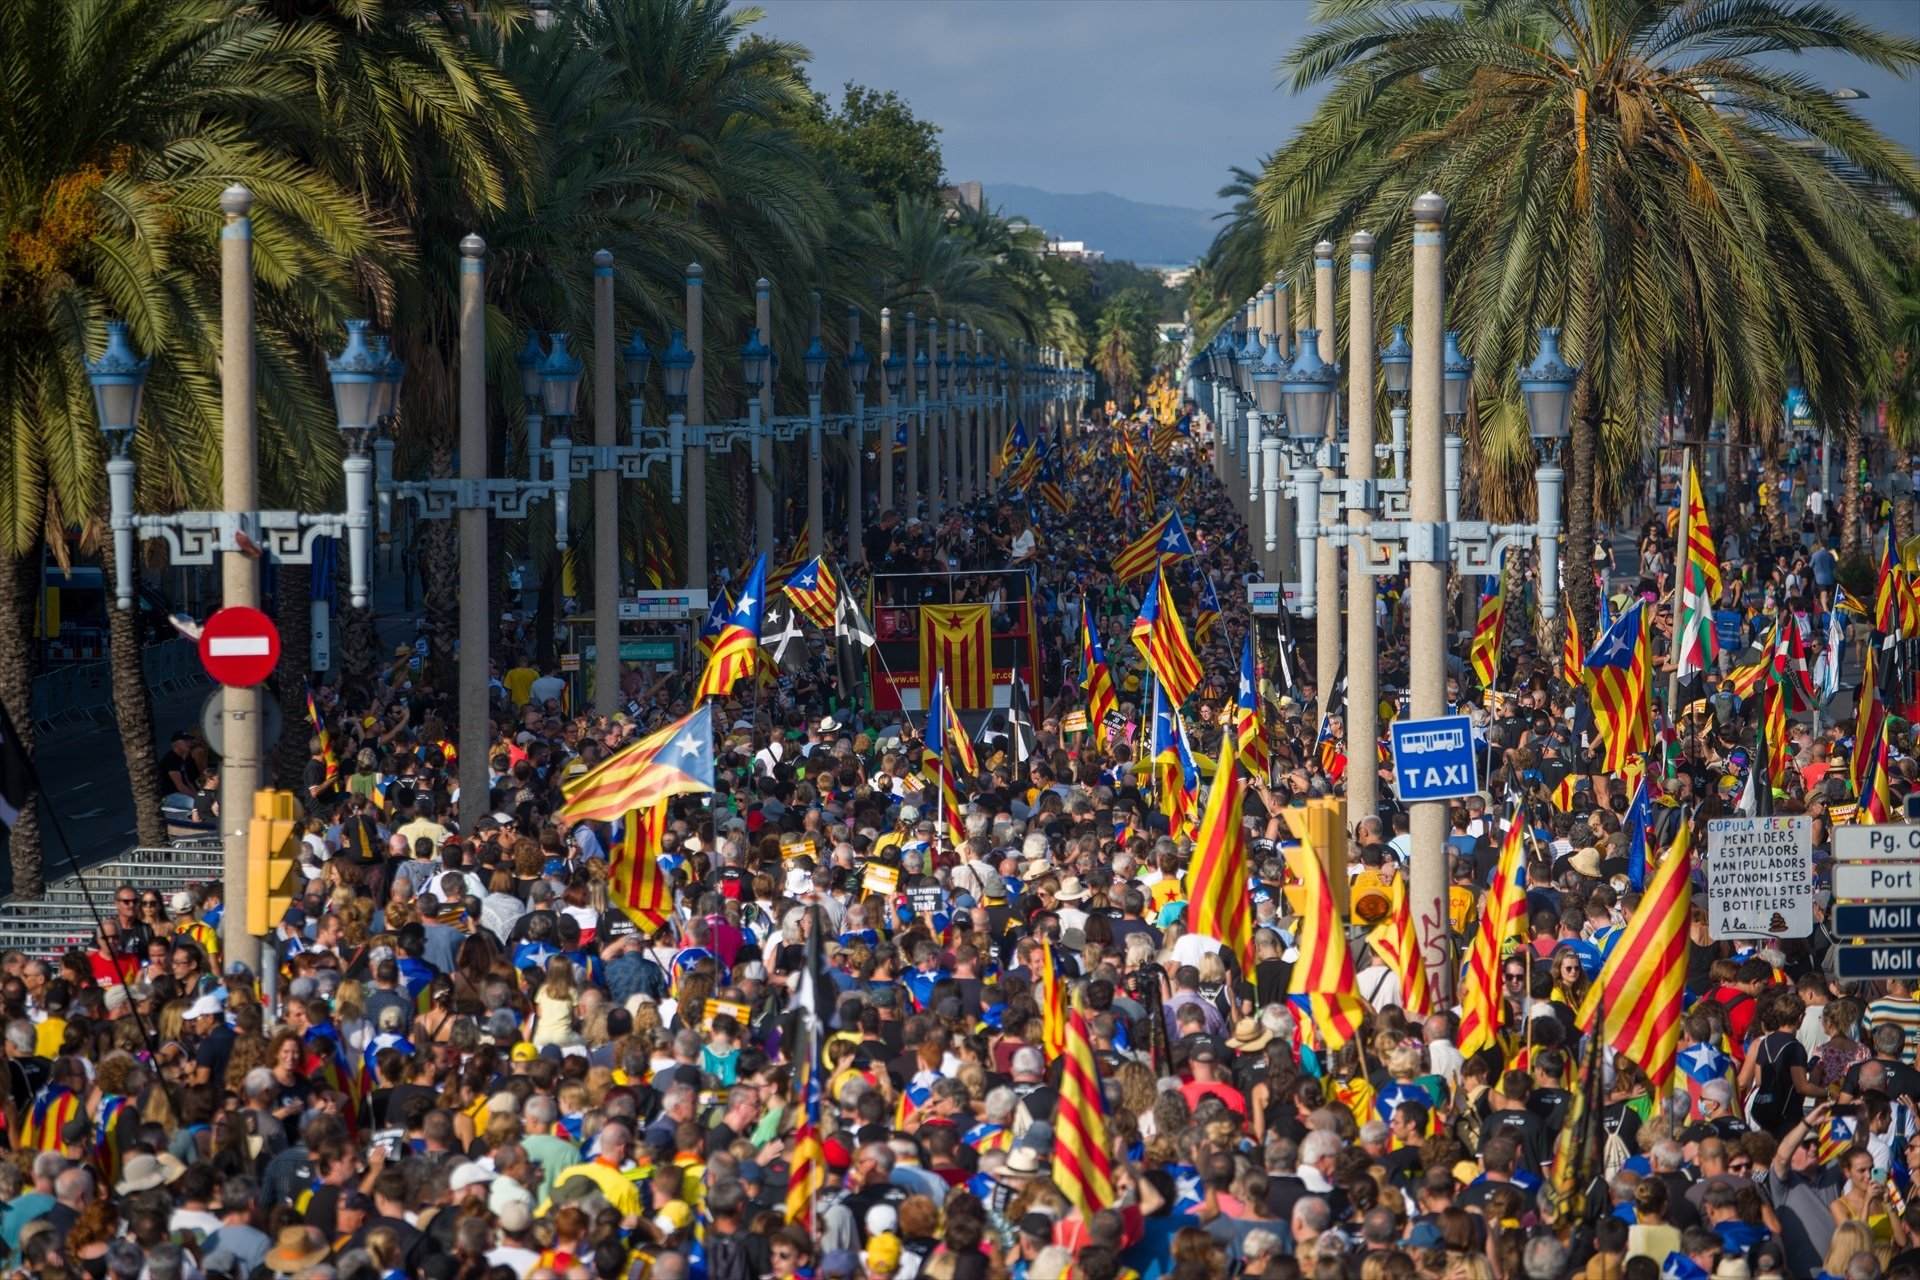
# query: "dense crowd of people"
458,1060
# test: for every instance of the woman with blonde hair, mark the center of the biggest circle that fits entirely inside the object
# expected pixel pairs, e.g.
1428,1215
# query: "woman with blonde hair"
1850,1240
551,1022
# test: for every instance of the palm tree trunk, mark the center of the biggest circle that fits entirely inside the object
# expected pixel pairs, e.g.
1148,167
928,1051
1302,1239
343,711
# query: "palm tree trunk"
1850,494
133,710
19,578
440,566
293,610
358,651
1581,598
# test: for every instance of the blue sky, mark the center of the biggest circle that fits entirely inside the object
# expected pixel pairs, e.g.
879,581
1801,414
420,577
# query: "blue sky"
1150,99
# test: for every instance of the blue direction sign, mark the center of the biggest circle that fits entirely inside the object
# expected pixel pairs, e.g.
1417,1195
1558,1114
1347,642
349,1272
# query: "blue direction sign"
1434,759
1895,960
1876,920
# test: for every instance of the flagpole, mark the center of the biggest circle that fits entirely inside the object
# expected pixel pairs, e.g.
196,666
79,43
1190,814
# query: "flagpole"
1684,500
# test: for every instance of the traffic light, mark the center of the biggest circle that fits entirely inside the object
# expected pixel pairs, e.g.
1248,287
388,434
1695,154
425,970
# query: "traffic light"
270,855
1318,826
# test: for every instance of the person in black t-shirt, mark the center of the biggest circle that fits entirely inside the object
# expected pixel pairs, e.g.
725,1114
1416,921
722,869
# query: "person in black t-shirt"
1510,1118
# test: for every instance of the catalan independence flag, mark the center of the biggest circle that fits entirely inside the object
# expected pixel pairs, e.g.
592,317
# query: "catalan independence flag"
1082,1165
1208,614
1503,921
1015,445
1053,1004
807,1167
52,1108
635,883
1176,781
1218,903
1644,975
1096,677
1618,677
1250,728
1322,989
714,623
815,591
1867,769
1164,542
736,649
1488,631
674,761
944,749
1394,938
1162,640
1700,585
109,1135
327,753
1573,657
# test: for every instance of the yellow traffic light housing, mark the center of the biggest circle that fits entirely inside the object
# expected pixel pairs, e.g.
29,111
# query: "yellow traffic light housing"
271,850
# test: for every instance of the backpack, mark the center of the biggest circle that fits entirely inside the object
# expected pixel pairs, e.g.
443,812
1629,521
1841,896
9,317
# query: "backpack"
727,1259
1614,1155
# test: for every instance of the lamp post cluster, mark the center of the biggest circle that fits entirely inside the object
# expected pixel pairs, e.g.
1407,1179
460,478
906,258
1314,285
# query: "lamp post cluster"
1278,410
959,406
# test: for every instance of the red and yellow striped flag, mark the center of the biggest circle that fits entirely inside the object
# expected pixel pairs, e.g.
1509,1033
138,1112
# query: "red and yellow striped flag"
1394,938
1694,641
1643,979
1503,920
1053,1005
1219,905
676,760
1573,657
1082,1165
634,881
1096,677
815,591
736,649
1888,590
1162,640
1322,988
1867,769
1143,553
1488,630
1779,758
957,639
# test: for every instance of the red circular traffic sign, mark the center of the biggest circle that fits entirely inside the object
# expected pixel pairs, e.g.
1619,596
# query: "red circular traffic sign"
239,646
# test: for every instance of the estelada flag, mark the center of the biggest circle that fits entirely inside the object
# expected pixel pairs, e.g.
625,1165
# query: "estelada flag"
957,639
676,760
635,883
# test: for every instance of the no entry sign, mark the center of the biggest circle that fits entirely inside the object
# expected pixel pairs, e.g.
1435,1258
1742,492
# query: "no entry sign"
239,646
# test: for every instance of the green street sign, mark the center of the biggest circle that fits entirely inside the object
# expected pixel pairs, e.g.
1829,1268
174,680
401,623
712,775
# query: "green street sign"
658,650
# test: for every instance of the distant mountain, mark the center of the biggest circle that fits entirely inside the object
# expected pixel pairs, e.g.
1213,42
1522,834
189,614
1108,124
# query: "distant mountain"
1156,234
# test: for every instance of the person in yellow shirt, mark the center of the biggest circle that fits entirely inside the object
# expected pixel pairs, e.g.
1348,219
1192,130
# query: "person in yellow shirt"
51,1032
604,1171
519,681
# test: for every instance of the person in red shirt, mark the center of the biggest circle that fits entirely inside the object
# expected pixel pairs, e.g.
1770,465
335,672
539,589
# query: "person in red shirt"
1210,1078
110,967
1736,987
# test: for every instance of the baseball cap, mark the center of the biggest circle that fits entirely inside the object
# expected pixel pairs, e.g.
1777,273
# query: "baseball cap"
204,1007
470,1174
523,1052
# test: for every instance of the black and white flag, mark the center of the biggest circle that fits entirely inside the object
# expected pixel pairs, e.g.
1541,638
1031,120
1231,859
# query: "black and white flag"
17,781
849,623
782,636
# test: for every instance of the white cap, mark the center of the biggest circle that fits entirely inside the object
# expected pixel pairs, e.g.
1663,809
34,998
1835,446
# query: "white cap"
204,1007
470,1174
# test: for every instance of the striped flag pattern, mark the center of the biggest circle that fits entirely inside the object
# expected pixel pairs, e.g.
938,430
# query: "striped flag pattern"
1488,630
1503,920
1394,938
1322,988
807,1168
1218,903
1208,616
1642,980
815,591
1082,1165
635,883
1250,729
1053,1004
1867,769
1699,585
1618,675
956,640
1162,640
1573,658
736,649
676,760
1096,677
947,745
52,1107
1164,542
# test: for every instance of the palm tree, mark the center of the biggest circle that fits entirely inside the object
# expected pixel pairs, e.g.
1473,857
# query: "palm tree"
120,123
1626,169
